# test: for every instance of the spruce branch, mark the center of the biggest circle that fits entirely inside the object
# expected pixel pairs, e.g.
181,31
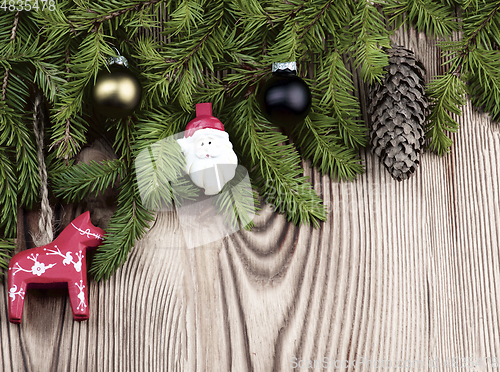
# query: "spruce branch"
180,61
333,95
158,123
69,127
477,22
237,201
275,166
428,16
484,80
7,246
8,194
86,179
315,19
244,80
467,61
15,134
127,225
369,36
286,45
185,17
446,97
326,150
48,78
161,179
99,21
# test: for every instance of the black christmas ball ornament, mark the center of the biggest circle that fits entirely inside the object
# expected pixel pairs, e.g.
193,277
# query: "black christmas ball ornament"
285,99
117,92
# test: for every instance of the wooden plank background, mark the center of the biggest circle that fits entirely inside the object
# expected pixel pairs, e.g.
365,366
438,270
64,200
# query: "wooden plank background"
399,272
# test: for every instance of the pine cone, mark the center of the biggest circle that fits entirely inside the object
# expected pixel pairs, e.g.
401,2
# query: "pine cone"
397,113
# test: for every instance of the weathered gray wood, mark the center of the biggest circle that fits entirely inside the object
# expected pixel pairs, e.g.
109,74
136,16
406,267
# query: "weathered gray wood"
400,271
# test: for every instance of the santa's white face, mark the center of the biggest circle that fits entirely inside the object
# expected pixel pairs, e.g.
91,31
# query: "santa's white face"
210,159
208,146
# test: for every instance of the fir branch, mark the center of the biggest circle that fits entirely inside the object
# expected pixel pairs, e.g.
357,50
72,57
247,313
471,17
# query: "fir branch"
7,246
186,16
325,149
203,48
369,36
55,167
466,4
237,201
66,145
446,96
333,94
252,24
8,194
244,80
99,21
315,19
127,225
160,170
275,167
281,11
173,70
428,16
69,127
125,136
84,179
56,26
159,123
286,45
446,93
48,78
15,134
478,22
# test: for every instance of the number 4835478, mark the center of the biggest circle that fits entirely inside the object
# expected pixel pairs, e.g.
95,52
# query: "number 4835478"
27,5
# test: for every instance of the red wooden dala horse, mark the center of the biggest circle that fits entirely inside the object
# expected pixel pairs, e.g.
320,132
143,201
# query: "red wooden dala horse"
55,264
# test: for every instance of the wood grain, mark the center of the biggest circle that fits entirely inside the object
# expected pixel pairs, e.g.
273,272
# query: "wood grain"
399,272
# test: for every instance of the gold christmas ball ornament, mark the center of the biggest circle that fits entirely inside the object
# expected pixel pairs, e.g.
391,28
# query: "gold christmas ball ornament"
116,93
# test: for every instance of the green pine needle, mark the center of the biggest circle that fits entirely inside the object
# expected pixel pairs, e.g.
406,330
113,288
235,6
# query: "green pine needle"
7,246
319,143
8,194
429,16
446,97
127,225
484,82
369,36
161,176
84,179
274,166
333,95
237,201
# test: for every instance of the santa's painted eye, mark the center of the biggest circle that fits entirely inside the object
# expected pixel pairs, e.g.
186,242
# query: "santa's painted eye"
202,143
210,143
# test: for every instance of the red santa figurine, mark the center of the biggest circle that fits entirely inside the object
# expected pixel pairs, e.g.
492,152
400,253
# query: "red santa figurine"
210,159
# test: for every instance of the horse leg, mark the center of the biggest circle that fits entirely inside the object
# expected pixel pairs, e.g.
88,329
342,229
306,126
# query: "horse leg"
79,299
17,291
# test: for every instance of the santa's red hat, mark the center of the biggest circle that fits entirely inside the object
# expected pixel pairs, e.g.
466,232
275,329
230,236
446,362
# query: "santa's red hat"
203,120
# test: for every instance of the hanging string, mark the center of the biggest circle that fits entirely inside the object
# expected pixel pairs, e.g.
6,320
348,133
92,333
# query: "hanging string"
46,234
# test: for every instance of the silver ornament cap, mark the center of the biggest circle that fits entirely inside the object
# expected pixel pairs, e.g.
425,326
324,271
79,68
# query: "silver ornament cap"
119,60
292,66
